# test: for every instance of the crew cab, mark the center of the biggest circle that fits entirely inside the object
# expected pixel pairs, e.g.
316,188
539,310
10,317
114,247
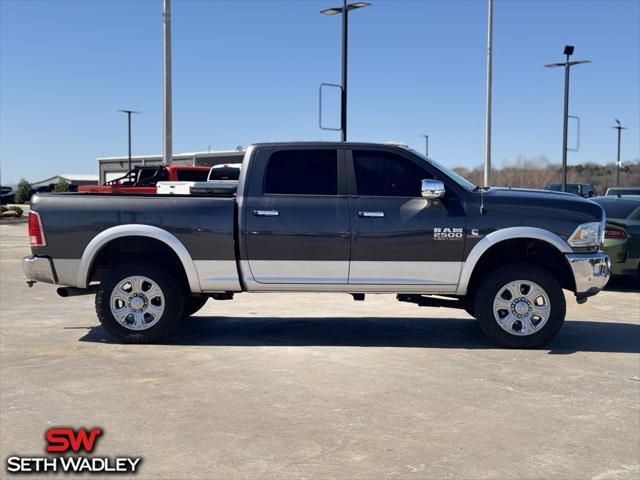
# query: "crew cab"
357,218
143,180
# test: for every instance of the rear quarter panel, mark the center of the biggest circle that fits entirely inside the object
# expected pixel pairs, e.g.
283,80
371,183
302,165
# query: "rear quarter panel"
203,224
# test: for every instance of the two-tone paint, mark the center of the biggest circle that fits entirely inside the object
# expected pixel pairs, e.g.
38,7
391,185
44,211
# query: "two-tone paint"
345,242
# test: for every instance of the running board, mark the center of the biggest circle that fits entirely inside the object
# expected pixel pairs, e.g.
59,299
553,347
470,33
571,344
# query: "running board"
430,301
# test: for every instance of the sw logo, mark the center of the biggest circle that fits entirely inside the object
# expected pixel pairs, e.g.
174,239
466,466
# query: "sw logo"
67,443
65,439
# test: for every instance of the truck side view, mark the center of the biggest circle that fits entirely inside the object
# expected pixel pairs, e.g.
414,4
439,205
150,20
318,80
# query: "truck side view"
356,218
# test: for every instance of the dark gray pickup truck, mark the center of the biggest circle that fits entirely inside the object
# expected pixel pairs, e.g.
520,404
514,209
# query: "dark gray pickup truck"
325,217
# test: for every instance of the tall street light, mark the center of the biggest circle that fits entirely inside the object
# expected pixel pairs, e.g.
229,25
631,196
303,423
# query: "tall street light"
344,10
568,51
426,144
167,155
487,126
129,113
618,127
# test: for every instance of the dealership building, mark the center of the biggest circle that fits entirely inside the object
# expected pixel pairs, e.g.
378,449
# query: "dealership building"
114,167
73,180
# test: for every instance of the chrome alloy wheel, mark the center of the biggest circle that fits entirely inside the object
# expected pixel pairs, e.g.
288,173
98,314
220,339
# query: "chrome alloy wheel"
137,303
521,307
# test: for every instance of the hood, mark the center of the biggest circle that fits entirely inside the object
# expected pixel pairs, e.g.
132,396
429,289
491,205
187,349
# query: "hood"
543,203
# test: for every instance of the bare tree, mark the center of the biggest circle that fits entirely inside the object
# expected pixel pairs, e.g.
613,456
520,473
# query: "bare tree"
536,172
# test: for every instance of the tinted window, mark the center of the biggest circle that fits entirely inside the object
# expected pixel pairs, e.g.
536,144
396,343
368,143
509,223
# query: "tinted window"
619,208
225,172
387,175
302,172
147,173
193,175
623,191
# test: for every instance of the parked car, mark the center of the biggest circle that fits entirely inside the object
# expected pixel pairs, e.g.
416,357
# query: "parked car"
356,218
622,233
222,179
7,195
623,191
143,180
585,190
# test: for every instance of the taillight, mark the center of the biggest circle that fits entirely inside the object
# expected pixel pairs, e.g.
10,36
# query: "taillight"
36,232
614,232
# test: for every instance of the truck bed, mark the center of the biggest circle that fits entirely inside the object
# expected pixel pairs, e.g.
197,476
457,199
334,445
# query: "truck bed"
203,224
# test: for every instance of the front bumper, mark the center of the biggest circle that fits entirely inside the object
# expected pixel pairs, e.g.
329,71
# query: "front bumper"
39,269
591,272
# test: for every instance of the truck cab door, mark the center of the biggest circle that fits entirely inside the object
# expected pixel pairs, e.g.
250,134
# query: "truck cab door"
296,218
399,237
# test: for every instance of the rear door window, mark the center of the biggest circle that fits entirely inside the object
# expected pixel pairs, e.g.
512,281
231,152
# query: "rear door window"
302,172
193,175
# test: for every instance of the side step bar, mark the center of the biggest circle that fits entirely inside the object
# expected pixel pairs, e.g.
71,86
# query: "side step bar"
430,301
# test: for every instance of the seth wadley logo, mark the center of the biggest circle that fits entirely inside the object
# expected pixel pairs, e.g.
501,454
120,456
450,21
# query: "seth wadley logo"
63,440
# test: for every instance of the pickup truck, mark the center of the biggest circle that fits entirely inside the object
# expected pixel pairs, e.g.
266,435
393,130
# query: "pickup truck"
222,178
357,218
143,180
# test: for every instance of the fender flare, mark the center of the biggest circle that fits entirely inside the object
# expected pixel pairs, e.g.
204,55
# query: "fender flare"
499,236
136,230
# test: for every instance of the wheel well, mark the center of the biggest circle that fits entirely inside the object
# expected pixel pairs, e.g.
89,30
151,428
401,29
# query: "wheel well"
535,251
133,248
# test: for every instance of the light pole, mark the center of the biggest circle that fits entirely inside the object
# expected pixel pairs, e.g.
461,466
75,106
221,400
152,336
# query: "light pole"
618,127
344,10
568,51
426,144
487,126
129,113
167,156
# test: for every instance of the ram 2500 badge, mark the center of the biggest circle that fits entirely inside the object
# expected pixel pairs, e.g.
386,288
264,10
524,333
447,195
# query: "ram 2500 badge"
325,217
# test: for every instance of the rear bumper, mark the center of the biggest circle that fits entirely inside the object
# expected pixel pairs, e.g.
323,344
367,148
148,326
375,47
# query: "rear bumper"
39,269
591,272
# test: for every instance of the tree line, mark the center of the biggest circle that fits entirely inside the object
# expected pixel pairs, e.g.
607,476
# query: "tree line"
536,172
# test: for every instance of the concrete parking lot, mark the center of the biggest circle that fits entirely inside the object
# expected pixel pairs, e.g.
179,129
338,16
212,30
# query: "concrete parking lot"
320,386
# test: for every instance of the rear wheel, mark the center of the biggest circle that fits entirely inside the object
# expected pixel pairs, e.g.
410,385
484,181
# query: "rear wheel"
520,306
139,302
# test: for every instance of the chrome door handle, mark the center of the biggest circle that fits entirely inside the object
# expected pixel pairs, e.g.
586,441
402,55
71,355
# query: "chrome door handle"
266,213
371,214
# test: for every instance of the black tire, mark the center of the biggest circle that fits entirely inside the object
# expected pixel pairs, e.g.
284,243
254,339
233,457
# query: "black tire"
469,305
172,291
193,303
489,289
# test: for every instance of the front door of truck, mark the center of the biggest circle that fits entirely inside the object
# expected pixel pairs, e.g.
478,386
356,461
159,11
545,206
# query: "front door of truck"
297,217
399,237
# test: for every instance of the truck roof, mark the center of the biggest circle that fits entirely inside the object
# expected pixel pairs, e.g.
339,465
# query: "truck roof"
325,143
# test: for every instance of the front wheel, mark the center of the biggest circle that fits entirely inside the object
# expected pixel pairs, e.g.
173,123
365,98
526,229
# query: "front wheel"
139,302
520,306
193,304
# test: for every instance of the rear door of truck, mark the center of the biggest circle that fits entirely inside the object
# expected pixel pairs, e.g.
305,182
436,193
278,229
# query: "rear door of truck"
296,216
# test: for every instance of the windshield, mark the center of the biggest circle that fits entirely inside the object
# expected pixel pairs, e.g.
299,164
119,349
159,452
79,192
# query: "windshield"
556,187
459,179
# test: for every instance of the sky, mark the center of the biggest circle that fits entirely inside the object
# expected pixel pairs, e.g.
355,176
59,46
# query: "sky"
248,71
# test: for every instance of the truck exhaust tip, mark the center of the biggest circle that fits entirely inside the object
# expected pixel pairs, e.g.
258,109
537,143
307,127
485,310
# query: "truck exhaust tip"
65,292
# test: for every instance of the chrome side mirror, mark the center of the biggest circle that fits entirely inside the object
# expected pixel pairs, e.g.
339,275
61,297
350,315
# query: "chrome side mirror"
432,189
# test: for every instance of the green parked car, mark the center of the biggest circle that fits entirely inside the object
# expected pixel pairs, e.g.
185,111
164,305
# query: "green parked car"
622,233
